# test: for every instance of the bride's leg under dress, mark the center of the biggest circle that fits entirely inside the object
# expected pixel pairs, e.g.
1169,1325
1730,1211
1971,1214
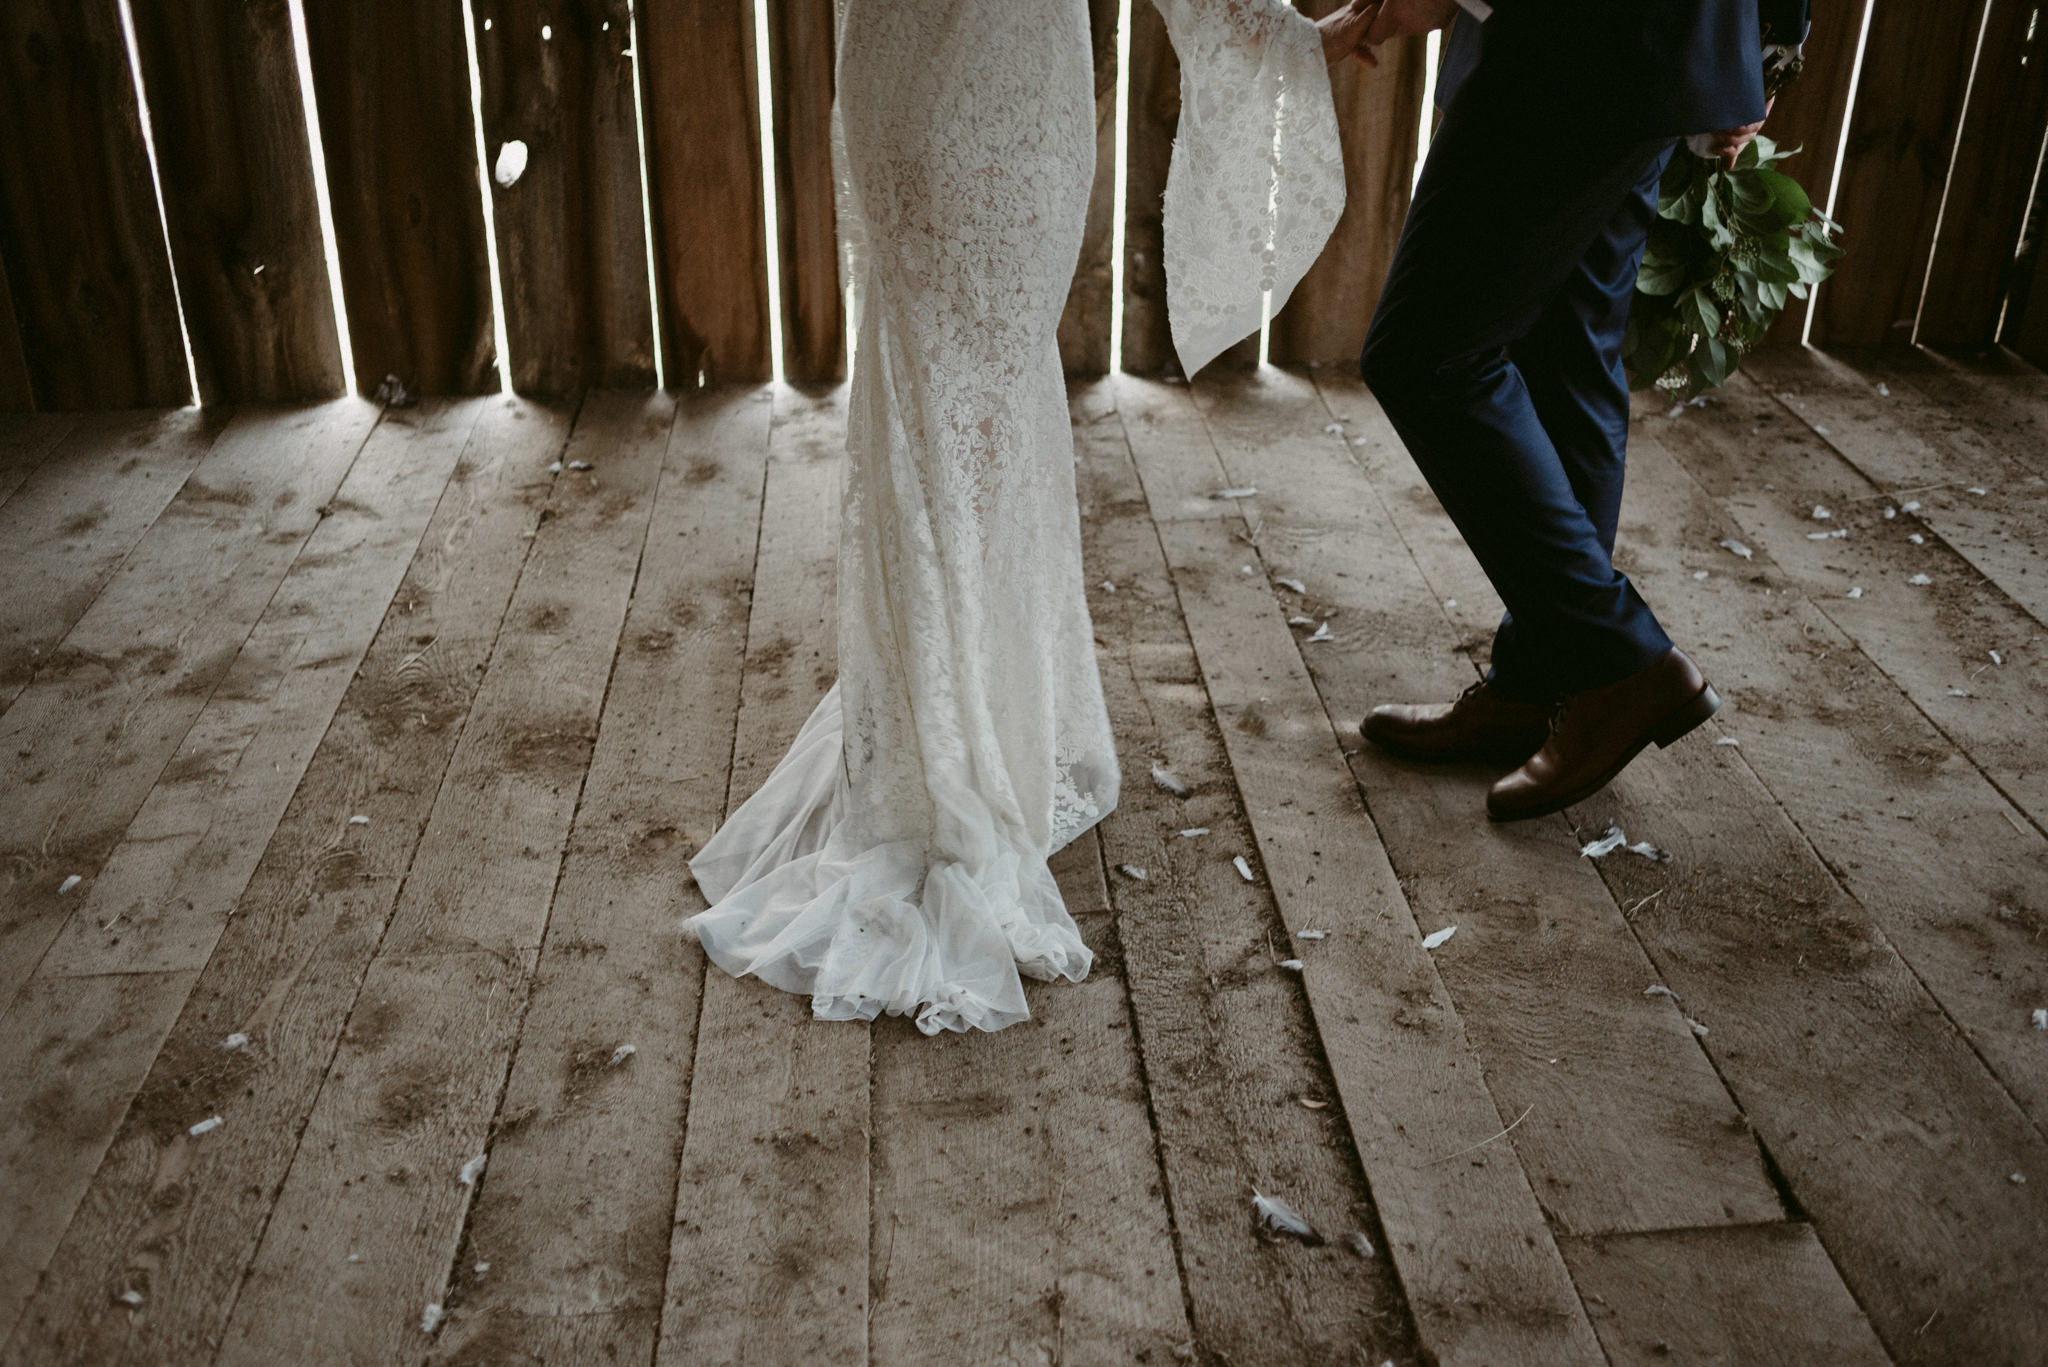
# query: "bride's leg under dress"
895,859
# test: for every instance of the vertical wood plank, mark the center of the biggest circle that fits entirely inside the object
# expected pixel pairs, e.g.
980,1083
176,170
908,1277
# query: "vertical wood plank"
1084,324
1996,157
2024,327
1809,116
17,395
800,64
1377,110
239,201
704,183
392,79
81,243
572,246
1155,114
1155,108
1909,101
2029,336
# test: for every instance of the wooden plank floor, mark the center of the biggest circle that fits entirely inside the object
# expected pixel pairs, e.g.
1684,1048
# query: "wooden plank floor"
353,761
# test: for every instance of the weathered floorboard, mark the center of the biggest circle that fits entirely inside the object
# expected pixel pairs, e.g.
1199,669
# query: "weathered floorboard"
422,1067
1992,510
1859,1085
166,891
1827,733
572,1216
513,784
159,903
1749,1296
66,529
769,1260
1624,1125
1018,1208
1242,1097
1934,640
66,1057
1375,992
178,1220
87,740
25,440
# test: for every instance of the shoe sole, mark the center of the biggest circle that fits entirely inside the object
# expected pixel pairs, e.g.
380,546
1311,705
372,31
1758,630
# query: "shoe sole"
1681,722
1511,755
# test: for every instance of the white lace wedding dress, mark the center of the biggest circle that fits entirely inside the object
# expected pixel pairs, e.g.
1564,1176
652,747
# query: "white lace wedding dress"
895,860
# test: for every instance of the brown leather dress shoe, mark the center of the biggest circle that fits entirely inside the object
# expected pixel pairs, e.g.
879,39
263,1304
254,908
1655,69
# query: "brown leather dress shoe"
1596,733
1481,724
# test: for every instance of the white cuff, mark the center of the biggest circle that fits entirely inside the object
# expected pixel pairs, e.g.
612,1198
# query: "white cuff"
1478,9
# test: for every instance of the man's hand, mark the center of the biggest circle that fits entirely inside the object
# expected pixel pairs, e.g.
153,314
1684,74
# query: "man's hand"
1344,32
1400,18
1727,145
1724,146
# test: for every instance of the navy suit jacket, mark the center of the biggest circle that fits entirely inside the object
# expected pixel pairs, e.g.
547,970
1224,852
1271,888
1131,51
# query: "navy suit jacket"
1643,68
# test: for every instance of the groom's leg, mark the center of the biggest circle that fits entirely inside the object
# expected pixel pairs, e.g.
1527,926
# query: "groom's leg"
1501,222
1571,362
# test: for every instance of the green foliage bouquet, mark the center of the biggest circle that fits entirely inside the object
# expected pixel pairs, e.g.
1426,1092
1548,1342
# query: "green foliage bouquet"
1727,251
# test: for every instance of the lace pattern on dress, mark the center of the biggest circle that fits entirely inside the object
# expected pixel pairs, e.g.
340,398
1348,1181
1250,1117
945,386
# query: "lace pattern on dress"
895,861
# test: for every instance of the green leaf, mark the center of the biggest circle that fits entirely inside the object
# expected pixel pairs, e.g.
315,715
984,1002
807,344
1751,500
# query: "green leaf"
1706,313
1661,277
1719,234
1789,199
1778,267
1714,362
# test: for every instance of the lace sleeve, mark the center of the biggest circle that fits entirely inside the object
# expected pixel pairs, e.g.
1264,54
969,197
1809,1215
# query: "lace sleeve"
1257,177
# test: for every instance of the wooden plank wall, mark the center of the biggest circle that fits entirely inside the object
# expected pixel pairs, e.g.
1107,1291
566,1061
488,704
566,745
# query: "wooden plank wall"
801,53
1810,117
1084,323
1939,153
392,81
239,198
1992,180
1902,137
80,237
572,250
704,178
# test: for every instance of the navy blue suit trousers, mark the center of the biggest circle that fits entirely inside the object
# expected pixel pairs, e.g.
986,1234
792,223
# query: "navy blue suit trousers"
1496,353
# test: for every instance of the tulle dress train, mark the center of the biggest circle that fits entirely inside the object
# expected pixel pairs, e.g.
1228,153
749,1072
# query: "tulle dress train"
895,859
